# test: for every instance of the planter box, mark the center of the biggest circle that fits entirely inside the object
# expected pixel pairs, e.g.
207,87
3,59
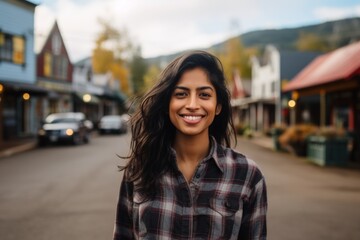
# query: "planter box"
327,151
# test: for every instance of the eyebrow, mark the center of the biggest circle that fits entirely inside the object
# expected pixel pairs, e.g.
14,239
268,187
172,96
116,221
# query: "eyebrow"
199,88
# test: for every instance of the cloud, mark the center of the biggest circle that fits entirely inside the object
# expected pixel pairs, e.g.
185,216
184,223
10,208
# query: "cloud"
160,26
334,13
163,27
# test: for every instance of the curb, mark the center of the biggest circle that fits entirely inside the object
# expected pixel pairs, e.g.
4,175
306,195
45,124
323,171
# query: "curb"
18,149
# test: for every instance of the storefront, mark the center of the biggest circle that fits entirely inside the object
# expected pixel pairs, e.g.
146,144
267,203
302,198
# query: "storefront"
21,107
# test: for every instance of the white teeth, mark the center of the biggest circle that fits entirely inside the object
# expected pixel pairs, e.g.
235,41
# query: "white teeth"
192,118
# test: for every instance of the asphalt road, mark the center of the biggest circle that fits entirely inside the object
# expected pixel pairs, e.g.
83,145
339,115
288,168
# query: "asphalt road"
61,192
66,192
307,201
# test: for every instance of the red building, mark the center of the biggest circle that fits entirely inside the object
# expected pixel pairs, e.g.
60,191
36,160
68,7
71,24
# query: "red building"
329,90
54,72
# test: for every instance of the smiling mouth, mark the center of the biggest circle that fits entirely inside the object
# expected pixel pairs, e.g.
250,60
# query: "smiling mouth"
191,118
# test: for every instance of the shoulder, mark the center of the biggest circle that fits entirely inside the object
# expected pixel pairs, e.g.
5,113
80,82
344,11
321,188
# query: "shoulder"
239,166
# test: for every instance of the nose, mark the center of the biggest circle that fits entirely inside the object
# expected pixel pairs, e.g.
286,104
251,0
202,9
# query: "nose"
192,102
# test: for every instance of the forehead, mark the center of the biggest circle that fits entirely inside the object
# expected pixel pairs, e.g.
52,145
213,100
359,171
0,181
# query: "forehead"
195,77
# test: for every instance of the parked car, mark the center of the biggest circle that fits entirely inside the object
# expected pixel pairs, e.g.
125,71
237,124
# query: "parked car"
112,124
65,127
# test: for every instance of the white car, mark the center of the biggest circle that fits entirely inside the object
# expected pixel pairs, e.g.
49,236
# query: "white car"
112,124
64,127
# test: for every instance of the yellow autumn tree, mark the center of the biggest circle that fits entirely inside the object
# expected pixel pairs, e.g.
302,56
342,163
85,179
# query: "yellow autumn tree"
109,54
235,57
312,42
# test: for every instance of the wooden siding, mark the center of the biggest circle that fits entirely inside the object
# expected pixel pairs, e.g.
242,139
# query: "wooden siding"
18,20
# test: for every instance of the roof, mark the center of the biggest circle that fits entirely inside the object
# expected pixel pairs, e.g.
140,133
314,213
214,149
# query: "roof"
292,62
338,65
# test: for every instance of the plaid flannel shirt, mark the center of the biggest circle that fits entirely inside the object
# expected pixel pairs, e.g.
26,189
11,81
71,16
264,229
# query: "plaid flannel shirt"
225,199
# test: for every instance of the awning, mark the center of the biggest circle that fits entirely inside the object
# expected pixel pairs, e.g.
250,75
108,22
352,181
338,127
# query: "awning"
24,87
338,65
120,96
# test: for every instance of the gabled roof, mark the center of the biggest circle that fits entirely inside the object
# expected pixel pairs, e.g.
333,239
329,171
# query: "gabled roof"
55,29
338,65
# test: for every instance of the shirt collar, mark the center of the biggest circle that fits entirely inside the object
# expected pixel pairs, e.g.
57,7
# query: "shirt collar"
216,153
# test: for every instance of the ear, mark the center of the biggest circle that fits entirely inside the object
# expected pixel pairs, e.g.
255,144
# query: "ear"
218,109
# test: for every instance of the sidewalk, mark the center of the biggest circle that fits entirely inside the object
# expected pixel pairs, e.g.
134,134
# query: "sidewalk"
261,140
10,148
267,142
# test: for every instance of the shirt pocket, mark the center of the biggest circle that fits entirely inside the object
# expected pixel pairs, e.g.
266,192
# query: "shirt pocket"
221,219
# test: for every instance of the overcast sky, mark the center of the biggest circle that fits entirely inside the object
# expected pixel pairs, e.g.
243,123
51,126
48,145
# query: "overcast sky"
167,26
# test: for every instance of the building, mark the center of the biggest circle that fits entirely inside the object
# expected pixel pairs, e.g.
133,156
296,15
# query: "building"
54,72
268,105
20,97
329,89
95,95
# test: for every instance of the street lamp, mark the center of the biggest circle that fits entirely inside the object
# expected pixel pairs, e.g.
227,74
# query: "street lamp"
26,96
87,98
292,104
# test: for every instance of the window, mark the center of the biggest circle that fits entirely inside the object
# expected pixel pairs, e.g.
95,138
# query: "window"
56,44
59,66
19,47
47,65
273,87
12,48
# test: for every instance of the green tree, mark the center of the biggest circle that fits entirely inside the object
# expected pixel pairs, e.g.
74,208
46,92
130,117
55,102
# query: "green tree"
138,68
151,76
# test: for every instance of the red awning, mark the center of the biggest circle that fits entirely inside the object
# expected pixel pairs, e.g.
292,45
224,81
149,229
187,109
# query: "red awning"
340,64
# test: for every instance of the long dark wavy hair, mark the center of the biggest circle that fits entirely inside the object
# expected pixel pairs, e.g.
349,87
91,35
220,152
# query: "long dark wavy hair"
152,131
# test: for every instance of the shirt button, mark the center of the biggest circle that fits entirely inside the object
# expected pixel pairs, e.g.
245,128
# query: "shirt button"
197,175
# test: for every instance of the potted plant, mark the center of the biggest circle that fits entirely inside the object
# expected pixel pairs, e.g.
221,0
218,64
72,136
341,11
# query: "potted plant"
294,138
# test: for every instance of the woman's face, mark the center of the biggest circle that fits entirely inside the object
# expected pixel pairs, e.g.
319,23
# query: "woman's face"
193,104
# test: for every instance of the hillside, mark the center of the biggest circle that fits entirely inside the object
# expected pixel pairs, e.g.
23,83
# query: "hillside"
338,33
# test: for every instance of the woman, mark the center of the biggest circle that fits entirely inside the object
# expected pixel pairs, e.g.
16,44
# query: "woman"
183,181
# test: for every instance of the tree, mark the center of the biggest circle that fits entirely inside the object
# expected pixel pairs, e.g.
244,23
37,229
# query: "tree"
151,76
109,55
312,42
138,69
235,57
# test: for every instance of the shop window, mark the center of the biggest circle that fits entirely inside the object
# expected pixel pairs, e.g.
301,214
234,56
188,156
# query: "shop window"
12,48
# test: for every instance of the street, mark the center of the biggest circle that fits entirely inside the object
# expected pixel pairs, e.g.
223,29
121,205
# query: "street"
61,192
67,192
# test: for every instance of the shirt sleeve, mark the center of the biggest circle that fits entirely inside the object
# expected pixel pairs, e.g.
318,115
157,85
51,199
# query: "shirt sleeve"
253,224
123,228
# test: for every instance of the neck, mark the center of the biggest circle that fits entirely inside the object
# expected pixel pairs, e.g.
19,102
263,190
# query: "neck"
191,148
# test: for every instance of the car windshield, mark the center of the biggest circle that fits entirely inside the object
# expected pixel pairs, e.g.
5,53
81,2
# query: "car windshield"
63,120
